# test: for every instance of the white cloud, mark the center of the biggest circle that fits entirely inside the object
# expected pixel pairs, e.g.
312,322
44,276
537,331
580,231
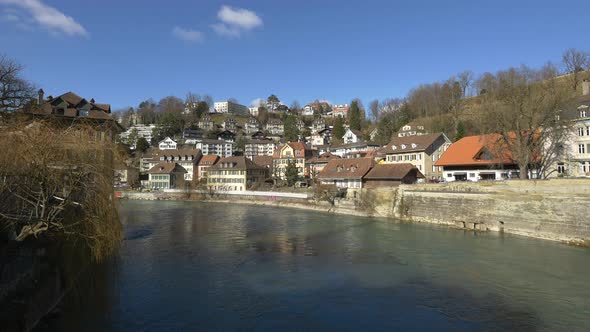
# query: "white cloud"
49,17
187,35
233,21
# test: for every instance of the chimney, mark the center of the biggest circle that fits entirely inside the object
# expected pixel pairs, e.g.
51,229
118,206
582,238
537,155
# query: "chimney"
40,94
586,87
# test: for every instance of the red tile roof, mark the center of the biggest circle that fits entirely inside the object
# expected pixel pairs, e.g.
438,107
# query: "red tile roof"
210,160
392,171
352,168
469,150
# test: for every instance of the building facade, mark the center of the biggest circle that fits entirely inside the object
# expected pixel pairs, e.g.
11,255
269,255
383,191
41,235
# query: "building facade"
259,148
220,148
167,144
292,152
235,174
231,107
421,151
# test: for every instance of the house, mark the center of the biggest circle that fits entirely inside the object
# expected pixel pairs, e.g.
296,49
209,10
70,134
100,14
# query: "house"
475,158
192,134
292,152
217,147
226,135
166,175
264,161
259,148
346,174
69,109
140,130
206,123
391,175
340,111
204,164
318,125
235,174
308,110
167,144
251,126
231,107
275,127
411,129
576,159
253,111
300,125
352,136
421,151
321,137
316,164
229,124
342,149
187,158
259,135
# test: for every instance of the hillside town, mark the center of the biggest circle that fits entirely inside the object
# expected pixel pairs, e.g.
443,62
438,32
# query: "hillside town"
234,148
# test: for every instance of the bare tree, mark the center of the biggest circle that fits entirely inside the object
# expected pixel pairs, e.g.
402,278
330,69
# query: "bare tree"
524,113
575,62
15,92
375,109
465,80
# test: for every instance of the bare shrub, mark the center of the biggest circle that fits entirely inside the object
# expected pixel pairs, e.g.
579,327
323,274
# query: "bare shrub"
57,182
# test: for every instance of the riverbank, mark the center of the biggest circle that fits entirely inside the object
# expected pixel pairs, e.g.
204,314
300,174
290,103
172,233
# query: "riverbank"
553,210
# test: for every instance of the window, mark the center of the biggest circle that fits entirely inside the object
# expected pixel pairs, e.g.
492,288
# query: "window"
587,131
581,148
471,175
449,175
582,167
82,113
434,168
583,114
581,131
560,168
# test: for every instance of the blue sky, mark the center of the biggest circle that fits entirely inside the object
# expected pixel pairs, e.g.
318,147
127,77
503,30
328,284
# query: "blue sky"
124,51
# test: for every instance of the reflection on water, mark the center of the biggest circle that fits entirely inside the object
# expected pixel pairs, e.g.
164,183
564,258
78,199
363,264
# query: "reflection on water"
197,266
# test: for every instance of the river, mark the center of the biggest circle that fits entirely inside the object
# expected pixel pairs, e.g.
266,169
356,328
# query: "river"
214,266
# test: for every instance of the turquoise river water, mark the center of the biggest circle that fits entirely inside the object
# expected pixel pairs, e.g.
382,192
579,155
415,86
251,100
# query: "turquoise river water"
223,267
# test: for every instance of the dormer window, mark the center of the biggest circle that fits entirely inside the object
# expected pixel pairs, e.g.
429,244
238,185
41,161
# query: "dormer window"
83,113
583,113
403,146
414,145
393,147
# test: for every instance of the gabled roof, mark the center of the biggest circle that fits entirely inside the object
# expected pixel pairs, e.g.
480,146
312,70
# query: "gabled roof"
241,163
263,161
322,159
297,145
167,168
353,168
210,159
411,143
392,171
471,150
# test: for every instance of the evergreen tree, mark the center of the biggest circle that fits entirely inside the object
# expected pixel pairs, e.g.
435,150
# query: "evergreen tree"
354,115
291,131
338,130
142,144
291,173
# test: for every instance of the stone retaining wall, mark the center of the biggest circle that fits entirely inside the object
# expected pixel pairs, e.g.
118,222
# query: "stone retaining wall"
551,209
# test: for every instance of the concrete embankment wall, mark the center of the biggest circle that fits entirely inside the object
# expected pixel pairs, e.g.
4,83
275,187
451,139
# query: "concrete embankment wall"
551,209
